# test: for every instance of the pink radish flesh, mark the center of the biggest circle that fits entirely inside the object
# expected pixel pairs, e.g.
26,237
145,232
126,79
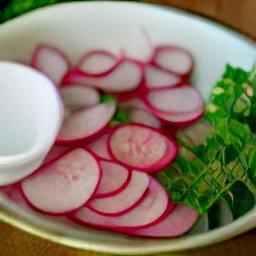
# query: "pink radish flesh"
65,184
134,102
98,62
85,123
99,147
113,180
176,100
140,116
178,222
73,76
158,78
77,96
141,147
149,211
50,61
125,199
173,59
125,77
180,119
15,194
56,151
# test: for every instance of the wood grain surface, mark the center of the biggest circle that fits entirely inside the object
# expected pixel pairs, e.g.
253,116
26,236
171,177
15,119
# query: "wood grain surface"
239,14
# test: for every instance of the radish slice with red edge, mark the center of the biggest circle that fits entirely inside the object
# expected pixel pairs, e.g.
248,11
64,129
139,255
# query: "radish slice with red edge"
99,147
184,99
125,77
173,59
141,147
56,151
64,184
125,200
82,124
159,78
177,223
15,194
77,96
114,179
51,62
181,120
140,116
73,76
135,102
152,209
97,63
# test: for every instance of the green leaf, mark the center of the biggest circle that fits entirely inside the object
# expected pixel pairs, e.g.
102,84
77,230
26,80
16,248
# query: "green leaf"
209,171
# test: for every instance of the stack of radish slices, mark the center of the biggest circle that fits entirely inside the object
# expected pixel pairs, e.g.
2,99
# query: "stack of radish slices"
100,174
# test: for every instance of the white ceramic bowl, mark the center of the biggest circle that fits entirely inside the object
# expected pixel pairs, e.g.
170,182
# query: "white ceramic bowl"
31,114
133,28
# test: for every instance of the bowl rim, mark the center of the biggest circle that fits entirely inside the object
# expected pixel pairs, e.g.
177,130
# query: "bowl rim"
237,227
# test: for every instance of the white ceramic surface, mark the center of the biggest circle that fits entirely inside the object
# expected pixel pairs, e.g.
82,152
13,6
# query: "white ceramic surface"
30,117
134,29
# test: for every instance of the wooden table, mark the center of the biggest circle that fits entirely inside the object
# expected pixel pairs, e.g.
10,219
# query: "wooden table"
239,14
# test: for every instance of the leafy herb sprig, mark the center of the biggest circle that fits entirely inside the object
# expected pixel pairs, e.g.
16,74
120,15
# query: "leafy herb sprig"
202,174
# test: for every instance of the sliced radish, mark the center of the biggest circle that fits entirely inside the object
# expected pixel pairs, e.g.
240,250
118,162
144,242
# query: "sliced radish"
134,102
56,151
85,123
114,178
159,78
16,195
124,200
140,116
178,222
182,99
173,59
73,76
97,62
149,211
141,147
100,147
50,61
180,119
125,77
64,184
77,96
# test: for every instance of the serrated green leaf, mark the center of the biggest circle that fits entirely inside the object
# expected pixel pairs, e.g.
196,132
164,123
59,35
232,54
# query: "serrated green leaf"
227,156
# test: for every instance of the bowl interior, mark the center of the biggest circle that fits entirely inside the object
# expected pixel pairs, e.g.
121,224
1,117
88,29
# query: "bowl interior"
133,29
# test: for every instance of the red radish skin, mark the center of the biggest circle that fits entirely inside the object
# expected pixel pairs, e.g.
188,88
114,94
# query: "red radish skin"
64,184
173,59
177,223
16,195
125,77
99,147
50,61
141,147
152,209
135,102
125,200
56,151
180,120
179,100
156,78
73,76
98,63
86,123
140,116
114,179
77,96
